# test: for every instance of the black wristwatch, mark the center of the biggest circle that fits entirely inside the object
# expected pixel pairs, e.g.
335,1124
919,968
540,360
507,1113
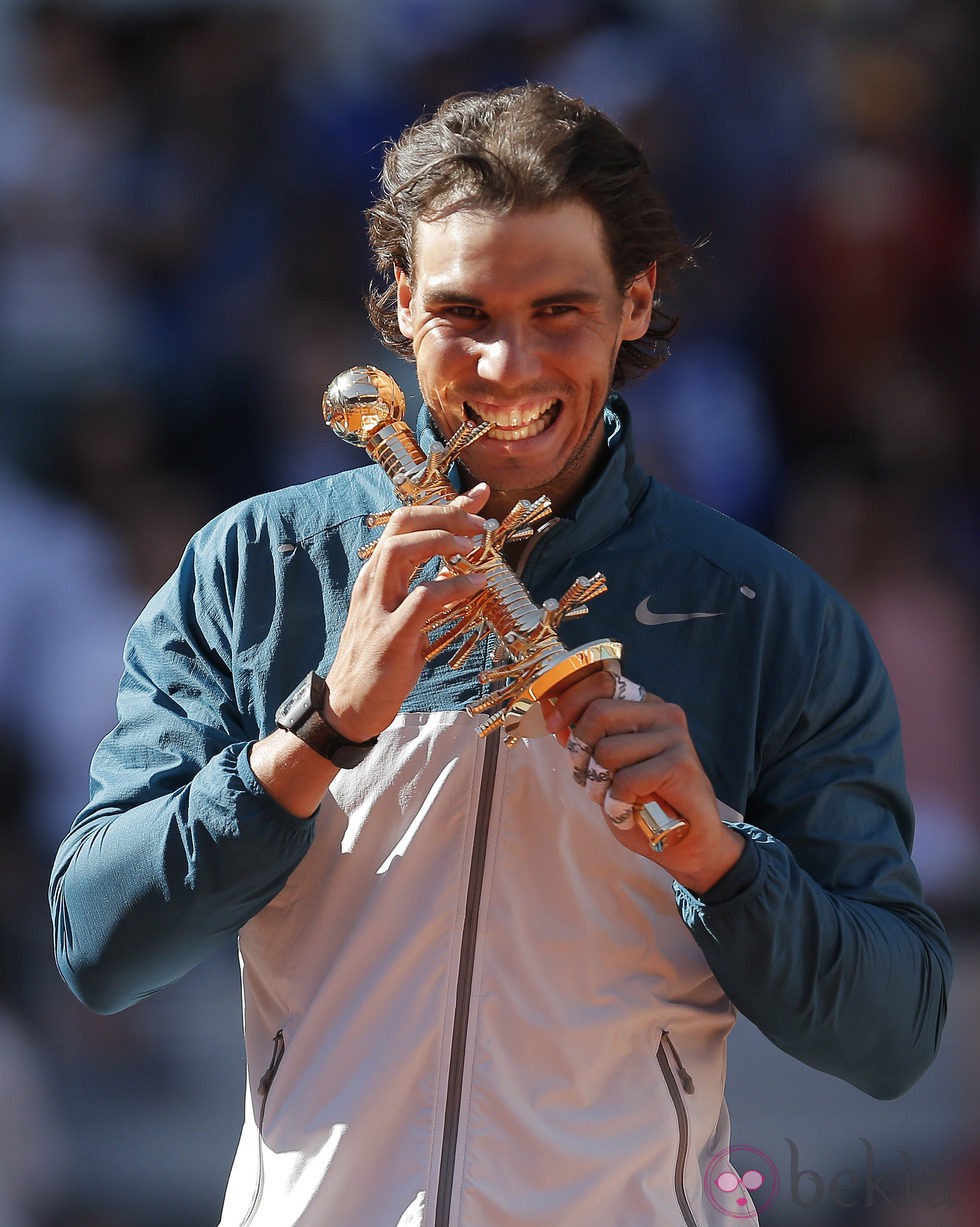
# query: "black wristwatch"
301,715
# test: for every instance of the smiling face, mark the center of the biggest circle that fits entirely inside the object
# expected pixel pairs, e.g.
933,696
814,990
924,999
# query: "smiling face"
516,319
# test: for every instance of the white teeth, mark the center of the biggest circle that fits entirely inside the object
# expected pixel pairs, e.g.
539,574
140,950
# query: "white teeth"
518,432
518,422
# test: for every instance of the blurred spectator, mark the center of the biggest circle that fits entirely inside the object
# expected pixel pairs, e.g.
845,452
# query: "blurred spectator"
315,346
873,254
64,612
65,305
33,1155
869,535
703,424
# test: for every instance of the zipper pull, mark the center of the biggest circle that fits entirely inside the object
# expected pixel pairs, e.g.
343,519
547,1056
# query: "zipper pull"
687,1082
278,1051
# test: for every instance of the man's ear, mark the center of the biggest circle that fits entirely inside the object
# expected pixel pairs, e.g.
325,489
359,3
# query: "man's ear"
638,307
405,323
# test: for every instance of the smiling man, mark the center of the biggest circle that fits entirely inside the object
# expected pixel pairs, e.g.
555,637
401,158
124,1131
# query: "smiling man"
471,997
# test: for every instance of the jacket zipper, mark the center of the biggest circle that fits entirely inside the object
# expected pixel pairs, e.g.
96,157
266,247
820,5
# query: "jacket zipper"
265,1085
464,984
467,958
665,1052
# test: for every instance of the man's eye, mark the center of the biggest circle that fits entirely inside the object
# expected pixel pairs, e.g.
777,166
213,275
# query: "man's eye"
462,311
557,308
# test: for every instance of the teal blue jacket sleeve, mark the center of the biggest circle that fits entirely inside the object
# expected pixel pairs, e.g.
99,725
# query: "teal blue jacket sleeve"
820,934
179,845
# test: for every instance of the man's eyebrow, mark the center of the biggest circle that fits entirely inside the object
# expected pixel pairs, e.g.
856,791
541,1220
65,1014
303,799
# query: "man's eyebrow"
567,296
447,294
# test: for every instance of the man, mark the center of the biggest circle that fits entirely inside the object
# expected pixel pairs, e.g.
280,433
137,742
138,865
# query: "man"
469,997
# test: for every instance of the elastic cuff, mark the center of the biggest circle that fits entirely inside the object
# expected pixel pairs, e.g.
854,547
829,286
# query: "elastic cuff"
740,877
254,786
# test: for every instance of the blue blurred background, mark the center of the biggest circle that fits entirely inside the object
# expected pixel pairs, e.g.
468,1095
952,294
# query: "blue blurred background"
181,267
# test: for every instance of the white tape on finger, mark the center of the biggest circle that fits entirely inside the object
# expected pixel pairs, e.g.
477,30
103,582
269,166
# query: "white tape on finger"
619,813
625,689
597,782
581,756
595,778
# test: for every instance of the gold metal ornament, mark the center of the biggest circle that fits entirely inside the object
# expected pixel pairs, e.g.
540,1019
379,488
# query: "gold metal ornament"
365,407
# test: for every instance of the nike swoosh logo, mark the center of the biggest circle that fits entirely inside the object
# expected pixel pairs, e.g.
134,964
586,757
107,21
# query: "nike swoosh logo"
647,617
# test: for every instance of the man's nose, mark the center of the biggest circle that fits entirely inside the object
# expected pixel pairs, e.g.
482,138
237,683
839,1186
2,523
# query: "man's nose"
508,358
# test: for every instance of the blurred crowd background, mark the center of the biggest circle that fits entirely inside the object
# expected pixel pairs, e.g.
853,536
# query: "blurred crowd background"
182,264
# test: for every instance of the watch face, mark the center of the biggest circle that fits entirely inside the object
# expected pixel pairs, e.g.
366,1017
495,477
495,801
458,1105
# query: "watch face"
297,704
296,707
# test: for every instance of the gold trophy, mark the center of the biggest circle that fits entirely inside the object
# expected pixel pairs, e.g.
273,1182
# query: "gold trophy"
365,406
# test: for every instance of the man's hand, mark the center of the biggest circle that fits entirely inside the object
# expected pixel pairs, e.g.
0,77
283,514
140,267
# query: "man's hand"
648,748
383,643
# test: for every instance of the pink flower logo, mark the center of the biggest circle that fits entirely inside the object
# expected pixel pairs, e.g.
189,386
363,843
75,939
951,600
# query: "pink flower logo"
730,1192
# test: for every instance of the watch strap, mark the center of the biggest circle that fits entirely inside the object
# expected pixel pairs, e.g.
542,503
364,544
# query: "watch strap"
302,715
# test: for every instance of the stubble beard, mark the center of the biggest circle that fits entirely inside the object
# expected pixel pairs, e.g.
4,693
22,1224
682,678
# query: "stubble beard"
577,469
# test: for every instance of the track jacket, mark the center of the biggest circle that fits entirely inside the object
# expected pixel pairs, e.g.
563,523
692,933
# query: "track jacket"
465,1002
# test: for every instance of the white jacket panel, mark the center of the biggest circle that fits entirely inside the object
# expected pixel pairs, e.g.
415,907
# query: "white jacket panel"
567,1115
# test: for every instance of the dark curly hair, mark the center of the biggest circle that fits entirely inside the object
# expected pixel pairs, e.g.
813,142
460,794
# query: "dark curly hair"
525,147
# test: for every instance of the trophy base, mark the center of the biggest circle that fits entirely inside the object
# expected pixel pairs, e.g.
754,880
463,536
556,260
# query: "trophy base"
525,718
660,830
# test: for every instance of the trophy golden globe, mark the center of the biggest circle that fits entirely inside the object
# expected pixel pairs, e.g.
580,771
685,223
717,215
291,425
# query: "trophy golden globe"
365,407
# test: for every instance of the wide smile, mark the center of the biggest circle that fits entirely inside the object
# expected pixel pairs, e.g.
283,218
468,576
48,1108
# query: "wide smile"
512,423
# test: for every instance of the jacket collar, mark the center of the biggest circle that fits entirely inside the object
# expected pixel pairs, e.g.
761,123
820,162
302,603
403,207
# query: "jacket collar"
604,507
